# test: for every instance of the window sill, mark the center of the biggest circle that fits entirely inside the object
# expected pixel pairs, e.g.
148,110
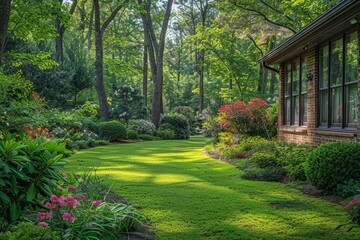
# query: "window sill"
294,129
337,132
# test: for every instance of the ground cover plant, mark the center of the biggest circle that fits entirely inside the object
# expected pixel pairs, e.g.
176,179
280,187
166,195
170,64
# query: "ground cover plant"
187,195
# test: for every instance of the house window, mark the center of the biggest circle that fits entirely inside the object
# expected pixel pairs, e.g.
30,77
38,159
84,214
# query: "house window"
295,92
338,63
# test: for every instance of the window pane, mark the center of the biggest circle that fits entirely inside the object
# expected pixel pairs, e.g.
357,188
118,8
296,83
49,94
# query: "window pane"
352,101
337,105
303,74
288,80
324,67
304,104
296,110
352,49
324,107
287,111
336,62
296,76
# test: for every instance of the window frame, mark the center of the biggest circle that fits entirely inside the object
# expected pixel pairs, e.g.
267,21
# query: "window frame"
344,125
300,93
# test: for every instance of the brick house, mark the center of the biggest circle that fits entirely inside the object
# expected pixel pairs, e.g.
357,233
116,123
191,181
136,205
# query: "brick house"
319,74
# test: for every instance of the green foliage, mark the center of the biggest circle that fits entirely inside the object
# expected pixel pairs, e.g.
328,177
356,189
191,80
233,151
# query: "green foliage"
131,134
142,126
166,134
127,103
264,174
265,160
333,163
28,168
347,188
19,105
112,130
146,137
294,158
28,230
179,124
91,124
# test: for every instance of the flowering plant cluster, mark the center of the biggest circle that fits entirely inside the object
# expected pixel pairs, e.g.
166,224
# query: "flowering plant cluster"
32,133
239,117
353,207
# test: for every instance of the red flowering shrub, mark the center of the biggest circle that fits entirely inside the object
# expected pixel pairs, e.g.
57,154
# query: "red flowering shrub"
240,117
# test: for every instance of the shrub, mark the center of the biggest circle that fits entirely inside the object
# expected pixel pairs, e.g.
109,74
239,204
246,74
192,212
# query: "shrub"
142,126
265,160
102,142
179,124
28,166
112,130
80,144
264,174
91,124
333,163
146,137
131,134
347,188
294,158
166,134
240,117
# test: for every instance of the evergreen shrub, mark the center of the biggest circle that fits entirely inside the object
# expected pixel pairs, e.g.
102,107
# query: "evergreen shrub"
142,126
178,123
112,130
333,163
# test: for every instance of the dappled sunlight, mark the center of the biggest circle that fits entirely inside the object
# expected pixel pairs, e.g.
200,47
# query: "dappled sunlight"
187,195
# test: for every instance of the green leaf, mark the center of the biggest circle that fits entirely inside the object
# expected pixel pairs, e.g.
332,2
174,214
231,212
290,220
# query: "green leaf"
15,211
31,192
4,198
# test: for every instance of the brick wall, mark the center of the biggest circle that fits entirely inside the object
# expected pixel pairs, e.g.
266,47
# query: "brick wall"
310,134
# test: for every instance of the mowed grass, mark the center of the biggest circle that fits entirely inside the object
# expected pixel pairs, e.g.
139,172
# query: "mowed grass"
187,195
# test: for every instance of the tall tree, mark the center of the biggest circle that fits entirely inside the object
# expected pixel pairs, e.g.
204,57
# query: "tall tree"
5,7
99,62
156,54
60,30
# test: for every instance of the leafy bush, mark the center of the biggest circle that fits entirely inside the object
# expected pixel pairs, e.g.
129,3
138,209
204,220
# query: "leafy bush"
80,144
102,142
189,113
294,158
166,134
179,124
353,208
146,137
240,117
264,174
142,126
28,230
265,160
91,124
347,188
131,134
112,130
28,168
333,163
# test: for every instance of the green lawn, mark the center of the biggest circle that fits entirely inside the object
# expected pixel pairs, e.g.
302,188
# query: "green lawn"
187,195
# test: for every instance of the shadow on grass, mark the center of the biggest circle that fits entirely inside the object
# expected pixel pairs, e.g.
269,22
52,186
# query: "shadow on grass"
189,196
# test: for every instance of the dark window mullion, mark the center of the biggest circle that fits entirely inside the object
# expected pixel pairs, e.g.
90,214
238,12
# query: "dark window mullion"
291,95
301,111
344,104
329,88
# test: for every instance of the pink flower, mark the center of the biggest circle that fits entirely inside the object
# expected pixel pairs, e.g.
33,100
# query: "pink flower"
48,216
41,216
97,203
43,224
71,202
64,175
81,198
61,201
50,205
53,198
59,189
67,217
352,202
71,188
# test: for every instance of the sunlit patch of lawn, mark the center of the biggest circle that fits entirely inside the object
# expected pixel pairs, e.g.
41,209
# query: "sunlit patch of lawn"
187,195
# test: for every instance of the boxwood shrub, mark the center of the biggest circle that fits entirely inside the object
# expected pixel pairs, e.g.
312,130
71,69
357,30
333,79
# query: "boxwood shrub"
178,123
112,130
333,163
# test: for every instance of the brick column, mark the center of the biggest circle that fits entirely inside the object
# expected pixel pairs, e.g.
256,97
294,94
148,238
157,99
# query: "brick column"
312,90
281,99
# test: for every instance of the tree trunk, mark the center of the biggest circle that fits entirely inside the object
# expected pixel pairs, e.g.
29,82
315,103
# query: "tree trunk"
59,41
145,75
5,7
99,82
264,80
90,28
